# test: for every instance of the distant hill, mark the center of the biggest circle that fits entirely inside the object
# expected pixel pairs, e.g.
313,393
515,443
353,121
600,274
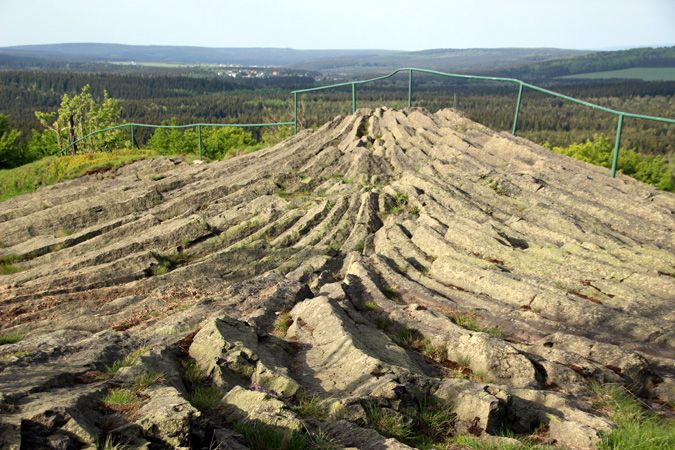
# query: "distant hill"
440,59
594,62
87,52
327,61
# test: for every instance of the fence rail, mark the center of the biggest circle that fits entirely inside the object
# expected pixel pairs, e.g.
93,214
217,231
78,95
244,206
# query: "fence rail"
198,126
522,85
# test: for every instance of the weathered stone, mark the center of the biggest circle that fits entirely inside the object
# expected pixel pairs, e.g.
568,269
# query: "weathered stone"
242,404
167,417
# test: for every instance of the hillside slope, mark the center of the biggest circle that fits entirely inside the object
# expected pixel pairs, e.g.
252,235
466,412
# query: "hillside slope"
386,261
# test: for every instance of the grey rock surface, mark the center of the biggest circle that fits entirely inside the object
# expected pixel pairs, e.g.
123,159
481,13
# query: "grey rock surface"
386,258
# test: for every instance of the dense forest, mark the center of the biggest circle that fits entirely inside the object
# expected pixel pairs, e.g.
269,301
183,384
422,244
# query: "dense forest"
594,62
158,98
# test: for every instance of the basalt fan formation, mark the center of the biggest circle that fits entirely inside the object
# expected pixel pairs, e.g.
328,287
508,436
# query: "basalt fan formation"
391,279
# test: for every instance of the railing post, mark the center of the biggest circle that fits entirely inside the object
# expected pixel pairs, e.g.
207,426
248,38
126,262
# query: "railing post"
132,136
617,143
515,114
409,88
199,141
353,98
295,110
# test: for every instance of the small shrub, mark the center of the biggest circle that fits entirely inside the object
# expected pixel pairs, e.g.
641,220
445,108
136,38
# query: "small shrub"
12,337
650,169
435,419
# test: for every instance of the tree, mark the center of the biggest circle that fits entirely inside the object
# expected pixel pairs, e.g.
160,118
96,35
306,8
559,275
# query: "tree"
80,115
10,153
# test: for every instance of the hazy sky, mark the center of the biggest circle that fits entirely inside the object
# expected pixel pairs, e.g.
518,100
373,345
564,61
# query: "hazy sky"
390,24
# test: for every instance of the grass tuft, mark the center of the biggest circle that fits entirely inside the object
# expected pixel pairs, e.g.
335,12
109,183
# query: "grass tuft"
205,398
388,423
311,405
260,436
282,323
8,265
120,397
147,379
127,361
12,337
638,428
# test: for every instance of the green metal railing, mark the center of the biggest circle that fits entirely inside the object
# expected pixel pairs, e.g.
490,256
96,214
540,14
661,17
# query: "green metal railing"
132,127
410,70
521,86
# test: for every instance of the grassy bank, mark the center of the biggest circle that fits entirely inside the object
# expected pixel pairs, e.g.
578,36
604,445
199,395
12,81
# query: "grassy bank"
53,169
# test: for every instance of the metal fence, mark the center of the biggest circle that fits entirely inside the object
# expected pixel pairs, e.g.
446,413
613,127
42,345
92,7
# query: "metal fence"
410,70
521,86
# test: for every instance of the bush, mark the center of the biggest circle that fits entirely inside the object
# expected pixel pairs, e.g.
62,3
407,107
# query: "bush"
80,115
650,169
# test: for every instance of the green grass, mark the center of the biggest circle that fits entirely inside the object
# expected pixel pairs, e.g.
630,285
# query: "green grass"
12,337
474,443
147,379
167,262
120,397
282,323
53,169
109,444
311,405
638,428
8,263
127,361
390,425
260,436
370,305
640,73
192,375
205,398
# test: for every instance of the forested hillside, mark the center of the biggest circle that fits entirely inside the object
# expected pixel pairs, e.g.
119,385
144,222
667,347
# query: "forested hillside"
594,62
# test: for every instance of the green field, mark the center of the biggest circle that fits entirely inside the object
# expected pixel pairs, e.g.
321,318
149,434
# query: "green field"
639,73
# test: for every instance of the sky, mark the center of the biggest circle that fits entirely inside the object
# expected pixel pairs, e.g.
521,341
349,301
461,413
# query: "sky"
341,24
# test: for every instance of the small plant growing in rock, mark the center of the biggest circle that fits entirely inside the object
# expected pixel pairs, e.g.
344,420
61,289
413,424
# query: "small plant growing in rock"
260,436
282,323
147,379
127,361
391,293
387,422
434,351
120,397
370,305
8,265
360,245
311,405
12,337
109,444
192,374
465,321
205,398
383,323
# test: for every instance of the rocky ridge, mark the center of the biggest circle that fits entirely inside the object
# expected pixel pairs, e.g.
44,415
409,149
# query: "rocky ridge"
383,262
